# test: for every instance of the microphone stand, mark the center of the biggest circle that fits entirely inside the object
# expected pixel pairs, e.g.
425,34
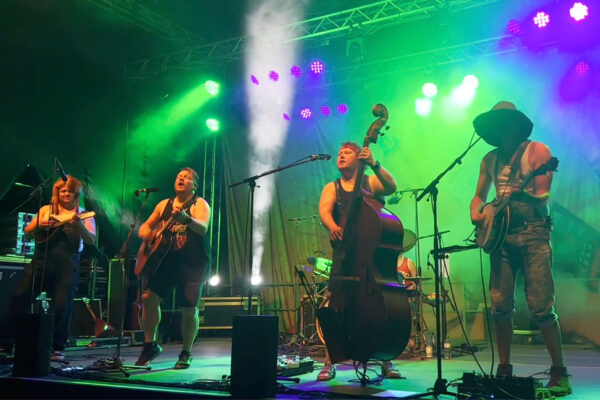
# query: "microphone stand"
441,384
115,362
251,181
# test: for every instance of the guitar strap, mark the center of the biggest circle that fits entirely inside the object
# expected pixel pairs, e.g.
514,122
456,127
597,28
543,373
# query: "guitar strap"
514,162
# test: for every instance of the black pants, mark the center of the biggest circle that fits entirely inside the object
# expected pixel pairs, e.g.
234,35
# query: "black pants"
57,279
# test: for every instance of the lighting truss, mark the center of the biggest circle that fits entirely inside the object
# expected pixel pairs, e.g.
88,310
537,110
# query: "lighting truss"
135,13
317,31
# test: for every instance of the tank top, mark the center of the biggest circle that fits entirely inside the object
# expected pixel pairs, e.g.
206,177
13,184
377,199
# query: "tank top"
184,241
343,199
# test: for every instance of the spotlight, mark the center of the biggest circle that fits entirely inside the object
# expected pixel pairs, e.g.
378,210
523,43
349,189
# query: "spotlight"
579,11
541,19
423,107
582,68
342,108
255,280
212,87
513,27
213,125
214,280
274,76
306,113
286,116
429,89
253,79
317,67
471,81
326,111
296,71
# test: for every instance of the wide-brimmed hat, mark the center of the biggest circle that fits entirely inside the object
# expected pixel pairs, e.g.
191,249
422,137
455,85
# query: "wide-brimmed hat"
502,120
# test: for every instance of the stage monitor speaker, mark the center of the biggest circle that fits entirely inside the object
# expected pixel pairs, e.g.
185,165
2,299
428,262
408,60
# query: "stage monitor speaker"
33,344
254,356
9,277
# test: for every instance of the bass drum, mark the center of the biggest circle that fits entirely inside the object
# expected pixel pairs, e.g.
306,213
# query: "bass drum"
324,304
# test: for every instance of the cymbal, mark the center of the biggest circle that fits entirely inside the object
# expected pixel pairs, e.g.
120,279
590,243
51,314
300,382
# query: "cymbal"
416,278
316,272
409,240
320,263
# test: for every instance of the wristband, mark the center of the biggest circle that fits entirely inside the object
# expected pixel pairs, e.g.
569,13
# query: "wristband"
376,166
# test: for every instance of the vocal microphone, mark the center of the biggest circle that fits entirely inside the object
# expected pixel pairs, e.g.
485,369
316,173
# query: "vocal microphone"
60,169
145,190
320,156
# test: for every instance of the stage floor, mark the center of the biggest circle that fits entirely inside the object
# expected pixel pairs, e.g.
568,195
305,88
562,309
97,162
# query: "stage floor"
212,363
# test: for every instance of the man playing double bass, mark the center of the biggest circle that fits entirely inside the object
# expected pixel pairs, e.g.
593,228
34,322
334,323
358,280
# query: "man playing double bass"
334,207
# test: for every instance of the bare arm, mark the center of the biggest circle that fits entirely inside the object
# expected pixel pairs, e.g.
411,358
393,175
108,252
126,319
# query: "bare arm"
539,154
200,217
326,204
44,221
484,183
382,183
146,228
86,228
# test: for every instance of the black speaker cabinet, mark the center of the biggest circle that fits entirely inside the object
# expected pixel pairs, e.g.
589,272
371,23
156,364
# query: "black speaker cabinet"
9,277
33,344
254,356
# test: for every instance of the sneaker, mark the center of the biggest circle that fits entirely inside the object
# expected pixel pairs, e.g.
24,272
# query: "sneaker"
388,370
57,356
504,371
185,360
327,373
149,352
559,384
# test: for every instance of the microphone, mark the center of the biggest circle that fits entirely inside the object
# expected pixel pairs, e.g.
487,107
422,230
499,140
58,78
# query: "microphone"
145,190
321,156
60,169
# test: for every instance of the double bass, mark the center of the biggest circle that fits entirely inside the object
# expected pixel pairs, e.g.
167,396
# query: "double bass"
368,316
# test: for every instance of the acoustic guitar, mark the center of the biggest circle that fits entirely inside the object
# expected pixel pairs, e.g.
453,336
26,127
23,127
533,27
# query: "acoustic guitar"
153,250
490,236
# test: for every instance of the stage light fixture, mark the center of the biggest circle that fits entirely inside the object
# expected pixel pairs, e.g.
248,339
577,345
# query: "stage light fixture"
579,11
423,106
255,280
326,111
274,76
254,79
296,71
306,113
471,81
541,19
212,87
429,89
582,68
214,280
317,67
286,116
213,124
513,27
342,108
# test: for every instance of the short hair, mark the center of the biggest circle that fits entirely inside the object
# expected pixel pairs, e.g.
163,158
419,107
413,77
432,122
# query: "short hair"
353,145
195,178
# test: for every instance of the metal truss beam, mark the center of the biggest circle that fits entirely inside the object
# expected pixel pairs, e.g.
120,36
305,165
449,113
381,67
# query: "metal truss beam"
134,12
319,31
420,61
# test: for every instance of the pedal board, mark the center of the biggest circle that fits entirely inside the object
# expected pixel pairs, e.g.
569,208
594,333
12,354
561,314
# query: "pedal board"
502,388
294,365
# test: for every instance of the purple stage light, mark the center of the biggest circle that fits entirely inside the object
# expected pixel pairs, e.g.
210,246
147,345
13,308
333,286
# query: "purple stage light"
541,19
306,113
317,67
513,27
582,68
286,116
274,76
579,11
296,71
253,79
326,111
342,108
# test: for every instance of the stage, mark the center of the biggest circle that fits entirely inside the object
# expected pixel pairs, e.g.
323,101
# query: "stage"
207,377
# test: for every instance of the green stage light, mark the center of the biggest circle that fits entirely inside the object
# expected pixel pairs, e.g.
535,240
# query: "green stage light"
213,124
212,87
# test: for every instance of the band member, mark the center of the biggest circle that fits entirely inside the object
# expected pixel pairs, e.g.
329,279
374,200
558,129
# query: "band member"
334,205
183,267
527,243
406,268
60,234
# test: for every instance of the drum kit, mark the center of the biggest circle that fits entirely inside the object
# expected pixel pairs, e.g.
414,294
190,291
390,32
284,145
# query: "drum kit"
320,268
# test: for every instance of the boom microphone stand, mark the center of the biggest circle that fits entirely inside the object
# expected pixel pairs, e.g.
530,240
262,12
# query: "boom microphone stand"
441,384
251,181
